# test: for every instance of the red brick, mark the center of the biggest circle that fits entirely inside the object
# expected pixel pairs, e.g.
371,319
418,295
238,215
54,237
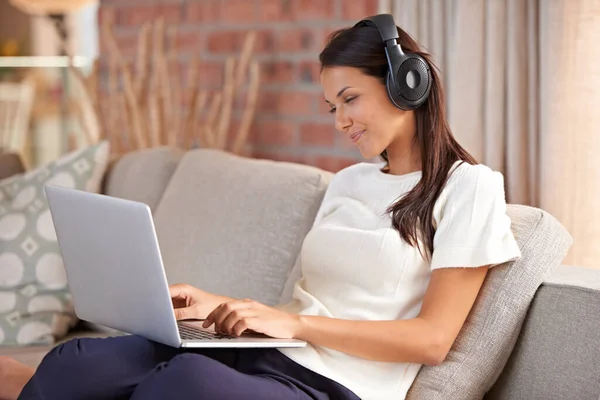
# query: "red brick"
172,13
225,41
135,15
293,40
329,31
107,15
188,42
221,42
237,11
126,42
314,134
285,103
275,10
273,133
211,74
309,72
322,107
265,42
311,10
277,72
296,103
138,15
334,164
203,11
267,102
346,162
358,9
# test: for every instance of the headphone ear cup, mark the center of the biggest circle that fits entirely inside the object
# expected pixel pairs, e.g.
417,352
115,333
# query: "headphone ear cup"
413,81
394,92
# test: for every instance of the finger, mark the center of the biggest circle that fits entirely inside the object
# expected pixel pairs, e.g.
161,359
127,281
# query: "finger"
221,313
233,318
178,290
243,325
185,313
218,315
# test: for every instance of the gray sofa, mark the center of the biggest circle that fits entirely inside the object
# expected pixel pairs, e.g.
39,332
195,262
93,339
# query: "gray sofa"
235,226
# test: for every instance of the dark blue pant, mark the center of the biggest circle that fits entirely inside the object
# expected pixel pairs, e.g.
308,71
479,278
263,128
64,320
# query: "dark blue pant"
131,367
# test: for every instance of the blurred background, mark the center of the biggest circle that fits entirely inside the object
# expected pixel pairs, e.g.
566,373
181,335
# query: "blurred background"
522,80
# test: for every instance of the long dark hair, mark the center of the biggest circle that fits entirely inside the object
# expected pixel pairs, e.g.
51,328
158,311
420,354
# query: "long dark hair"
412,215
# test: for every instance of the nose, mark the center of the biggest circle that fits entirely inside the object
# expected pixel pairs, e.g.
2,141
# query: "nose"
342,120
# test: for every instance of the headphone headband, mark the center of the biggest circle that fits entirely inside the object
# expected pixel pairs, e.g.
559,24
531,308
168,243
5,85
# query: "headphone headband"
385,25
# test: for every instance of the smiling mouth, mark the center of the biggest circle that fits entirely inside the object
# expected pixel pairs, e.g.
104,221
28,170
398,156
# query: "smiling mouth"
356,135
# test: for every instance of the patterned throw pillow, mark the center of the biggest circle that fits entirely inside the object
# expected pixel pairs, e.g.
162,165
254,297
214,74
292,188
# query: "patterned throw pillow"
35,305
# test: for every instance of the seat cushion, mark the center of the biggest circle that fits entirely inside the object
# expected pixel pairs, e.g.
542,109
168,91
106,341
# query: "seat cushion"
491,329
33,355
143,175
233,225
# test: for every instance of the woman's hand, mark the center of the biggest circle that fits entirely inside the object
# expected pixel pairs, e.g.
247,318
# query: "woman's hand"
193,303
235,317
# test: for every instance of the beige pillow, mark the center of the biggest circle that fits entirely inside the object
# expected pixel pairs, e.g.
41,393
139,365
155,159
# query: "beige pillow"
486,340
35,305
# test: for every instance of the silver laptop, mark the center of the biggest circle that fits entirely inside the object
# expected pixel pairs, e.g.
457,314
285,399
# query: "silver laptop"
116,275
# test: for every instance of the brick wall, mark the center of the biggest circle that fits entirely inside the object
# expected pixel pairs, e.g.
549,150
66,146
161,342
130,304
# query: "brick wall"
292,122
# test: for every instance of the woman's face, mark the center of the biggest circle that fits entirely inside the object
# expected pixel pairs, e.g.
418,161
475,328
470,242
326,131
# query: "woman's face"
363,111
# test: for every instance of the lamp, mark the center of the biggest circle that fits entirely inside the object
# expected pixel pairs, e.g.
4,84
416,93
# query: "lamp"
50,7
56,11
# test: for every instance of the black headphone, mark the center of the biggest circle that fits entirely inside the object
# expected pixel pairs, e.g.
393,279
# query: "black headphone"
408,81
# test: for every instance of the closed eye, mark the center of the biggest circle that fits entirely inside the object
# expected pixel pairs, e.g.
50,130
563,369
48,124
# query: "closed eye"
347,101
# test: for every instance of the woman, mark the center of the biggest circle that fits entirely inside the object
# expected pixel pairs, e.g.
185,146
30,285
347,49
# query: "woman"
391,268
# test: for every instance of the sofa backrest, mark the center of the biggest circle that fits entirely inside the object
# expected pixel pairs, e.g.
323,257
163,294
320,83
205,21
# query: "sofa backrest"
142,175
233,225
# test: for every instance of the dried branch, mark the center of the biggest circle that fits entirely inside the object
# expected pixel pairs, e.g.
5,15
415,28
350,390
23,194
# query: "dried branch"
129,91
225,117
248,116
208,131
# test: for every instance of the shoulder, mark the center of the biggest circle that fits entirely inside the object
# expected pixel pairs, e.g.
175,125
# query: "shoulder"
471,187
465,177
472,225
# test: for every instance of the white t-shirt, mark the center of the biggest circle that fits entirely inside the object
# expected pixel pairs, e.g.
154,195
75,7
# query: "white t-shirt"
356,266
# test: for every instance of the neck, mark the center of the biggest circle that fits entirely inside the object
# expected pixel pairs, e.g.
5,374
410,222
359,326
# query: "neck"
404,159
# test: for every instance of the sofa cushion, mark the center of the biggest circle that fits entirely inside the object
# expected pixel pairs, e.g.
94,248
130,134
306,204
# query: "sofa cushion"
33,355
557,355
233,225
491,329
35,304
143,175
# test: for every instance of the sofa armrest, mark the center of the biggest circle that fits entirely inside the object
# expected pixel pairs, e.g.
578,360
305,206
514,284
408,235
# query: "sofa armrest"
557,354
566,275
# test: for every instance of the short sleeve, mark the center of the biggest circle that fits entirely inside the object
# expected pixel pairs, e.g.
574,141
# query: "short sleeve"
473,228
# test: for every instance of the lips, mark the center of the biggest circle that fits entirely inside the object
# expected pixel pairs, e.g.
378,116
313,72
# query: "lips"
356,135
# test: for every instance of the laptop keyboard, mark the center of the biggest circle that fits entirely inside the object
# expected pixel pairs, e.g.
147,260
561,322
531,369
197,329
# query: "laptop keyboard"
189,333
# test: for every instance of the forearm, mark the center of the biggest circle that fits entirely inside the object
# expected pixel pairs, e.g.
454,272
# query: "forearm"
391,341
